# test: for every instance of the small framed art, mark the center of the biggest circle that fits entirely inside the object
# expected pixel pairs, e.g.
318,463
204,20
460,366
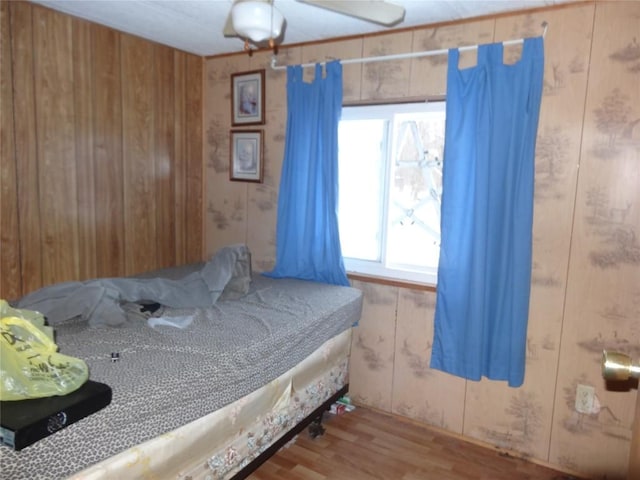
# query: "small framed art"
246,156
247,98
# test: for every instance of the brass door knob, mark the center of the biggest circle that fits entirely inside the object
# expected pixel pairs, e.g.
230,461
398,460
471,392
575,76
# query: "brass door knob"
618,366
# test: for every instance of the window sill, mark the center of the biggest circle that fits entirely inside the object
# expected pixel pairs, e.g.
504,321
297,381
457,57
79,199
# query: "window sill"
394,282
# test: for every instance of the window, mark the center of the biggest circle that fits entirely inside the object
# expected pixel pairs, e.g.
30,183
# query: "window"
390,174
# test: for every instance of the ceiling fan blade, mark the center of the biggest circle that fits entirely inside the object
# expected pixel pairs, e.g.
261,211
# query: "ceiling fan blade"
376,11
228,30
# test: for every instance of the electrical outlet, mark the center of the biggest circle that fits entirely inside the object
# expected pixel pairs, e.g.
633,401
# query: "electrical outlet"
584,398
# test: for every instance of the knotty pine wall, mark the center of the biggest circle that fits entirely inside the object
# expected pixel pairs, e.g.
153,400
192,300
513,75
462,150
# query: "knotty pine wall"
586,271
101,170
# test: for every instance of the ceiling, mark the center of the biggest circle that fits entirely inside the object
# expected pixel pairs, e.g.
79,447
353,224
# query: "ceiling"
196,26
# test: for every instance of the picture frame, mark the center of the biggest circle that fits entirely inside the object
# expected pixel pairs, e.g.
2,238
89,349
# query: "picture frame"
247,98
246,161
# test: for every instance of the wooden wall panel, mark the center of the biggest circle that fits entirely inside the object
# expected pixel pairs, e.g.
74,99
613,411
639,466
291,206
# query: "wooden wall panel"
429,396
56,145
102,123
26,147
602,308
386,79
180,168
10,273
262,199
137,147
373,347
226,201
164,154
429,74
193,158
634,454
85,165
107,134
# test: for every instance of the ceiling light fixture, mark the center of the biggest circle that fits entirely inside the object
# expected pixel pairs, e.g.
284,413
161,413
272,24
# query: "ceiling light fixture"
256,20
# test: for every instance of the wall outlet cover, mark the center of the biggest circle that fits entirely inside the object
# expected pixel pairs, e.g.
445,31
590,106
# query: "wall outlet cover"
584,398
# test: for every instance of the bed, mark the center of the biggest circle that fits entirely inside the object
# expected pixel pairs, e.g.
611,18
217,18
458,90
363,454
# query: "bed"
200,392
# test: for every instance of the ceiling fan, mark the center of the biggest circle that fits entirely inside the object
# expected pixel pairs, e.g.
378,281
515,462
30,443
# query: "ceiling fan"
258,21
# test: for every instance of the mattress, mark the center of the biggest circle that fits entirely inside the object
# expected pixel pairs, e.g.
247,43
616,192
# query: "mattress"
220,444
167,377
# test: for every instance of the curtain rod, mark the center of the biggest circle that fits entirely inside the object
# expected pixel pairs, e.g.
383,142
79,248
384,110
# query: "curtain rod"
402,56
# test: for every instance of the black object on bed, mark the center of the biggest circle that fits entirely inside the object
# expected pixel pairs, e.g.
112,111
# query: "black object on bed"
24,422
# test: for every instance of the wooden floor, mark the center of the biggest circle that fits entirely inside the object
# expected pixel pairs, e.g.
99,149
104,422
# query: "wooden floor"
366,444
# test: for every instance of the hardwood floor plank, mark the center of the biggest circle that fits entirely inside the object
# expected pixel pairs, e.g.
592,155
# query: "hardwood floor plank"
366,444
308,474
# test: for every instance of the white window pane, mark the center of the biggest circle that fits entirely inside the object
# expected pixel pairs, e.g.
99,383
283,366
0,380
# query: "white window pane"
415,191
361,180
411,248
390,160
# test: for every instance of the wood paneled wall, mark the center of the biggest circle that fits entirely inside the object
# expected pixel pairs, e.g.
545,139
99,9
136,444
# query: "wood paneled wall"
585,293
634,455
101,152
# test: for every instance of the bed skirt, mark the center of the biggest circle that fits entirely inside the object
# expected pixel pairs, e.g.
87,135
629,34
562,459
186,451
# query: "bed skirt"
219,445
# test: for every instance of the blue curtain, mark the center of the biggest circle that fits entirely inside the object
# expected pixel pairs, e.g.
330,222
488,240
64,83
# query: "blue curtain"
484,274
307,238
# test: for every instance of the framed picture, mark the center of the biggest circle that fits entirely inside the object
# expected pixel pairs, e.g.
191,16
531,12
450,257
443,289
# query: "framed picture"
247,98
246,156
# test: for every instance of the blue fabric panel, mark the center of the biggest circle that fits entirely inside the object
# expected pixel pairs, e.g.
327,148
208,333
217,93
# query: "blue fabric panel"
484,274
307,237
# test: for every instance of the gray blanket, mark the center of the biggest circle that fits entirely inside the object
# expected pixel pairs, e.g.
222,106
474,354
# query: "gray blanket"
99,302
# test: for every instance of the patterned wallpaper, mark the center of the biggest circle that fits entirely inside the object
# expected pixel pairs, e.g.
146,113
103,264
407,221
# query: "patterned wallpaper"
586,272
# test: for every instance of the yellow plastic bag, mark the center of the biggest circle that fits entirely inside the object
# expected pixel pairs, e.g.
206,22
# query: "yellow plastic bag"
30,365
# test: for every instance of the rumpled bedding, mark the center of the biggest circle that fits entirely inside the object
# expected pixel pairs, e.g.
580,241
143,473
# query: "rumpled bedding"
227,275
166,377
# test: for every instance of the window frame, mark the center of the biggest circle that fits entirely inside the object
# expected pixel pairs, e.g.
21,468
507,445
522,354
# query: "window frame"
379,269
